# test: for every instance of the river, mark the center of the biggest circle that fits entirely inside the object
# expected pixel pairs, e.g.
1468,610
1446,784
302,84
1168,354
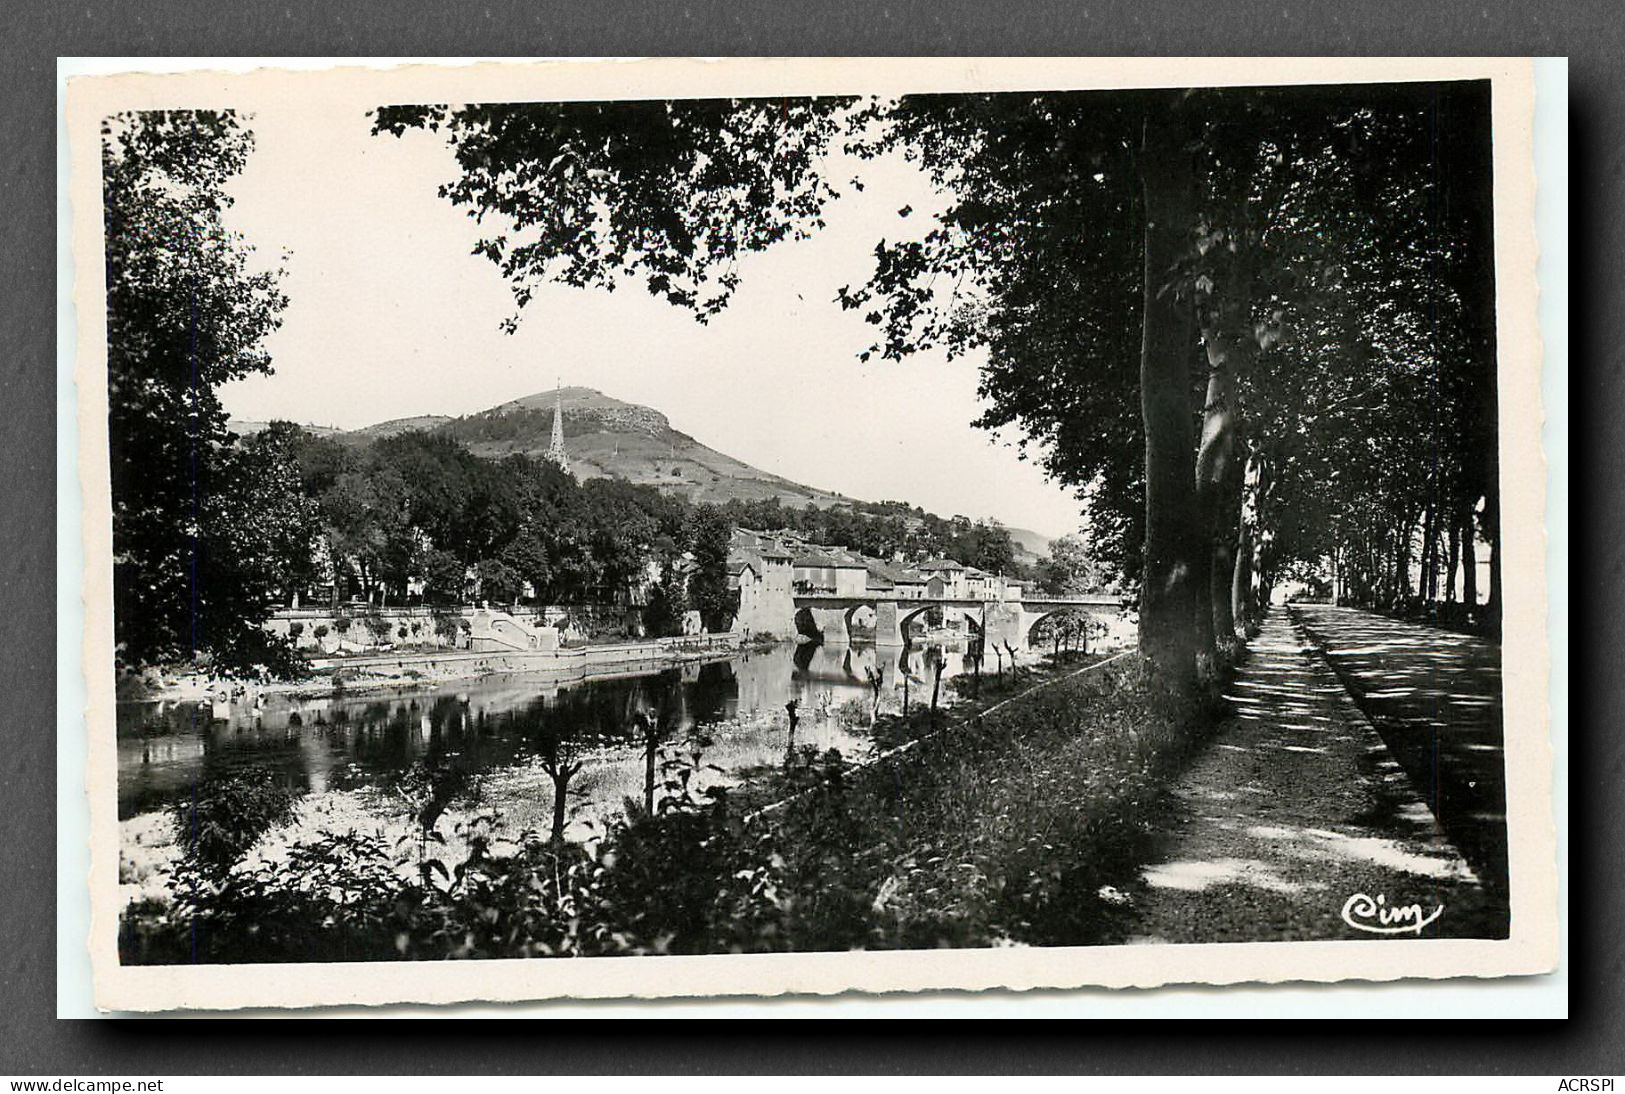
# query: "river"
498,724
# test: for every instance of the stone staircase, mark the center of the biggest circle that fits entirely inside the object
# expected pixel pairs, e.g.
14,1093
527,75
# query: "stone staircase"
495,631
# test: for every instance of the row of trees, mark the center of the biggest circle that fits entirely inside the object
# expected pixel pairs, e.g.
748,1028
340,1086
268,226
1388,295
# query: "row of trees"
1254,328
417,517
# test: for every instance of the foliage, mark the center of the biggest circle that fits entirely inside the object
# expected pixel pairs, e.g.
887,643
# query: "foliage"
202,527
226,814
886,529
697,183
498,581
668,603
444,577
377,625
1070,568
709,532
445,626
420,505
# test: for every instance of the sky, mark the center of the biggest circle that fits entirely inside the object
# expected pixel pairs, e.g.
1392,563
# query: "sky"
391,315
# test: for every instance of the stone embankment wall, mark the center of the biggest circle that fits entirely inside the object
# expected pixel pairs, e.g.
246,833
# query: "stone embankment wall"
472,663
575,624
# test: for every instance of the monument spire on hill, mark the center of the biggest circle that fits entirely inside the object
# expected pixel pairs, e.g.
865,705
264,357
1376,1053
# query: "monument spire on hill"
555,449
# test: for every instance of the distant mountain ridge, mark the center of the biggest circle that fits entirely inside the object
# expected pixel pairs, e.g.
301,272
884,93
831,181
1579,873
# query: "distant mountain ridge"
605,438
1031,544
609,438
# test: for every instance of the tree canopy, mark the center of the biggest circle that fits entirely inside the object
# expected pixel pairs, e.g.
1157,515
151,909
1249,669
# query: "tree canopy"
1200,307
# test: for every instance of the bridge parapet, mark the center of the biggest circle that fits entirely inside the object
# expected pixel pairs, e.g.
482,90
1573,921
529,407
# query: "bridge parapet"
1006,621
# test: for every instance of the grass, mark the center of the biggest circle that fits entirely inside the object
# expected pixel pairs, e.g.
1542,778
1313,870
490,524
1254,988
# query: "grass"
1013,826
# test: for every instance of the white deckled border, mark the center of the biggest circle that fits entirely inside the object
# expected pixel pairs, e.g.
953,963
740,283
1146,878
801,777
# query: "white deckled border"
1533,945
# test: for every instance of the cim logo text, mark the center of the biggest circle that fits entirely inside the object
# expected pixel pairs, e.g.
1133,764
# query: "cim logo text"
1376,916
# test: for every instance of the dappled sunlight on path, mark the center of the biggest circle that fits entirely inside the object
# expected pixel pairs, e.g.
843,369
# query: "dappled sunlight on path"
1435,696
1295,807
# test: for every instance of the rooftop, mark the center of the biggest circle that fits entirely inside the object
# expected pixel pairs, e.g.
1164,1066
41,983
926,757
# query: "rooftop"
822,560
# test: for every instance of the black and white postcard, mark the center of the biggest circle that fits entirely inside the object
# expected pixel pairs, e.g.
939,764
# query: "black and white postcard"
683,528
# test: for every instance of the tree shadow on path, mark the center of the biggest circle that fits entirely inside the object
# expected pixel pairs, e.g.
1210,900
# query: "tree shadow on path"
1295,808
1435,696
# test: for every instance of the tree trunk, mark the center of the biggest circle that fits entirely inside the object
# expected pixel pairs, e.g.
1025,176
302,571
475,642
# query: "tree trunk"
1452,561
1492,522
1469,564
1219,481
561,784
1427,585
1241,580
649,755
1168,639
1228,338
1492,536
1402,566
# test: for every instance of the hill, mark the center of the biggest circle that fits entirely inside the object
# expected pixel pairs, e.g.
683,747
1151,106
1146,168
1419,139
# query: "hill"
605,438
422,423
1030,546
608,438
247,427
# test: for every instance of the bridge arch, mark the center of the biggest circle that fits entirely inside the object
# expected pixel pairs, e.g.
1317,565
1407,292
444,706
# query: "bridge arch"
1032,618
909,615
830,625
806,625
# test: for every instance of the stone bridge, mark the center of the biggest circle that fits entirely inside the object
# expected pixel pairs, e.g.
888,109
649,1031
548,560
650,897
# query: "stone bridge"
829,616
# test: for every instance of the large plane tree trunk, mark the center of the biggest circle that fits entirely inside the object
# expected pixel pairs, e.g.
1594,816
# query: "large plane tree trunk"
1227,548
1228,341
1469,563
1241,579
1167,601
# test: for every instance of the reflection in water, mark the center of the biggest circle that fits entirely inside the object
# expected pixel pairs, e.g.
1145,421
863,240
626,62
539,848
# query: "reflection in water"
499,721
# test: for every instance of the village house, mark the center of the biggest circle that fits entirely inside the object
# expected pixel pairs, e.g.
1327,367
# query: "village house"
819,573
765,606
879,581
980,585
945,578
903,582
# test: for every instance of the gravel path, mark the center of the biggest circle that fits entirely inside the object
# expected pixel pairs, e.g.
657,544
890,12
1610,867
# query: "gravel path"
1435,696
1293,809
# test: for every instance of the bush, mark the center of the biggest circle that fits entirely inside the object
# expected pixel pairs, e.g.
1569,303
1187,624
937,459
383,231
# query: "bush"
378,626
226,815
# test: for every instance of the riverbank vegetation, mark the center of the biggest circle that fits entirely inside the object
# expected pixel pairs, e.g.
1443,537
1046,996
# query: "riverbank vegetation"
1020,825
